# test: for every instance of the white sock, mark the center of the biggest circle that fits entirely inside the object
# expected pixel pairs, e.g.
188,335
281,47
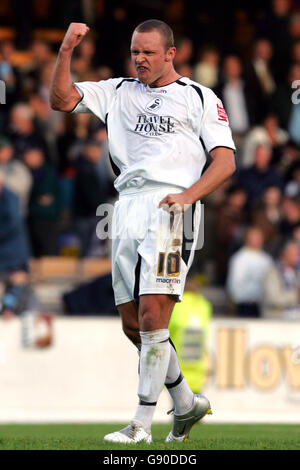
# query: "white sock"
154,362
177,386
182,396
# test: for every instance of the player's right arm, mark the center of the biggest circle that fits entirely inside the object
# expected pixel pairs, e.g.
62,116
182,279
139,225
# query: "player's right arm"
63,94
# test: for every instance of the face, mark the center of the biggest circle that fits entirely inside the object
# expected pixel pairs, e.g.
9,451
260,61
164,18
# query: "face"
271,122
6,154
237,199
20,120
272,196
33,158
291,210
291,255
281,7
149,56
264,49
254,239
262,157
232,67
93,153
210,57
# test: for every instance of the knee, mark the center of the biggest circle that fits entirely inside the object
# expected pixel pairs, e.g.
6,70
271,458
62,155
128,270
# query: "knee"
149,320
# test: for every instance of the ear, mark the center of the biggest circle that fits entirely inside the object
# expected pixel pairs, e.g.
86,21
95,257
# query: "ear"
170,54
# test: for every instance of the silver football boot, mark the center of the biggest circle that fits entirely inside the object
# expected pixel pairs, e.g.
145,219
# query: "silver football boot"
132,434
183,424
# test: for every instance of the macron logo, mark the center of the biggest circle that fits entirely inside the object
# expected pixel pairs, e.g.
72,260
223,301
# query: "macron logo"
222,116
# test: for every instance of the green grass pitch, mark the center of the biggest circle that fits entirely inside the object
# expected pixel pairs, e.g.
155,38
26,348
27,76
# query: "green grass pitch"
203,437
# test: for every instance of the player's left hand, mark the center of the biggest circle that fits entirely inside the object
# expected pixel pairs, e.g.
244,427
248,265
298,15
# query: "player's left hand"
175,202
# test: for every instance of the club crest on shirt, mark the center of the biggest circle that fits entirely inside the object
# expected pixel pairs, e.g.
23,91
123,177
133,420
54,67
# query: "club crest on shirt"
154,104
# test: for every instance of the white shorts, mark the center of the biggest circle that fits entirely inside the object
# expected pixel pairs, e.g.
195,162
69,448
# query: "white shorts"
152,249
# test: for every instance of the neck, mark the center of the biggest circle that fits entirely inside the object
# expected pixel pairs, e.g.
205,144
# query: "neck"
170,77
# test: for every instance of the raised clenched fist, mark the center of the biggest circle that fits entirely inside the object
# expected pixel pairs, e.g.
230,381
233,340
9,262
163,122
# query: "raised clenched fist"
74,35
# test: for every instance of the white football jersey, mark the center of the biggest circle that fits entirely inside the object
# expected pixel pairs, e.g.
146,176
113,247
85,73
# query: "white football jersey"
157,134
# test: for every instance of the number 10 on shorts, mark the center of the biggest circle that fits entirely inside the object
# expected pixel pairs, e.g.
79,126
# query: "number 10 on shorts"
169,262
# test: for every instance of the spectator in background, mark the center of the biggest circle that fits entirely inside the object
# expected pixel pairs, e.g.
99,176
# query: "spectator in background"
294,27
104,73
184,51
116,19
23,133
281,285
70,143
43,208
262,56
260,175
290,155
237,99
41,54
292,188
269,133
48,123
14,257
16,176
259,75
296,237
206,71
291,217
88,193
81,69
230,227
274,25
267,216
14,252
86,51
104,165
247,269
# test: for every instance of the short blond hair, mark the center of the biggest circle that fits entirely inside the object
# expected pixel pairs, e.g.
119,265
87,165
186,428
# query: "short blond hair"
160,26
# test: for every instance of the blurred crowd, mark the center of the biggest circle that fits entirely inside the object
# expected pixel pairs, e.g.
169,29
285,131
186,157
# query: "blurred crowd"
55,168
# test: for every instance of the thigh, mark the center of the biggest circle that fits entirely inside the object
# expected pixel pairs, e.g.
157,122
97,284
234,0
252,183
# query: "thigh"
125,258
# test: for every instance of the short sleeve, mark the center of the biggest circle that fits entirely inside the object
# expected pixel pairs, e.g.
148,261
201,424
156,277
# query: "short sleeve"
215,130
96,97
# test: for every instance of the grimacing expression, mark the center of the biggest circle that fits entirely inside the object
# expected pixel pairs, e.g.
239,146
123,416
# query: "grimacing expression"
149,56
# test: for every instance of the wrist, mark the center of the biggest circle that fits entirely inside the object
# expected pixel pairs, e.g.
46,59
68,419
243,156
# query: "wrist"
66,50
189,196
